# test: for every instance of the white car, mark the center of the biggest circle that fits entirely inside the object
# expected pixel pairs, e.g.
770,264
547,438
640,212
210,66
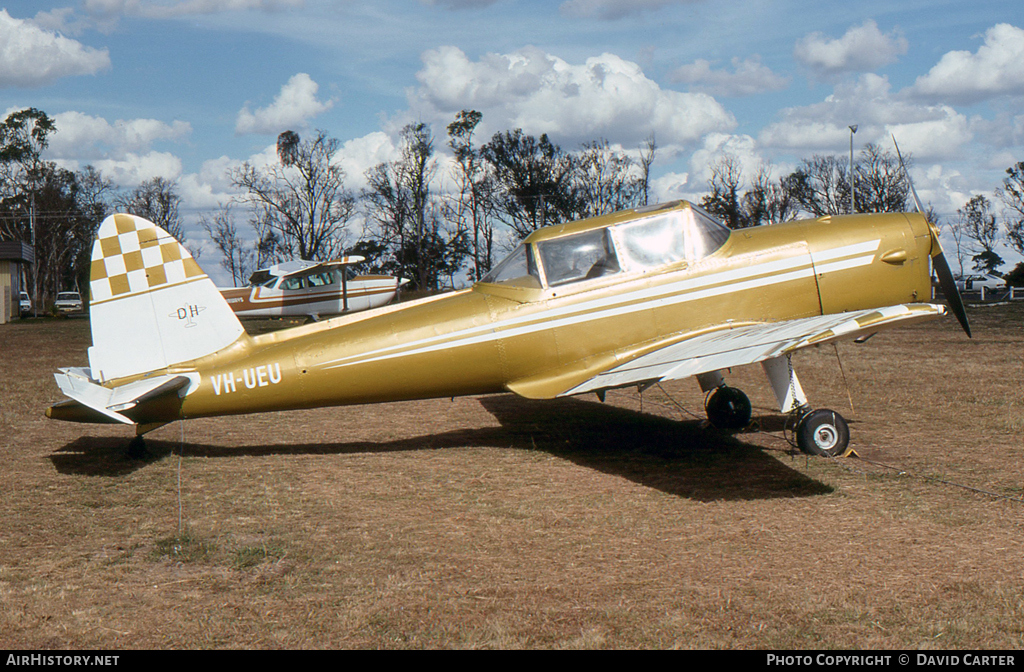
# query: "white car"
26,303
974,283
68,302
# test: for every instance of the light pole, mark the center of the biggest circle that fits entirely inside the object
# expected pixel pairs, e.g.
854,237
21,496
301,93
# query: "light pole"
853,129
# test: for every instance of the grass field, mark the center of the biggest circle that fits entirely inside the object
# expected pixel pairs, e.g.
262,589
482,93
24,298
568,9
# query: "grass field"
496,522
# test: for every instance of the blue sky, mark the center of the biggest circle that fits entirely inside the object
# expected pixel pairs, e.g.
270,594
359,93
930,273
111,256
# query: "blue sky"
186,89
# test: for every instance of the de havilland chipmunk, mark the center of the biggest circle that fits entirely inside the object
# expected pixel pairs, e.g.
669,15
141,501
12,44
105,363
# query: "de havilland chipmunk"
311,288
626,299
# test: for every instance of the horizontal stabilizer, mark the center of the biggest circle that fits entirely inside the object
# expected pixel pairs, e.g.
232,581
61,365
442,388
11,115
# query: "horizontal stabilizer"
112,402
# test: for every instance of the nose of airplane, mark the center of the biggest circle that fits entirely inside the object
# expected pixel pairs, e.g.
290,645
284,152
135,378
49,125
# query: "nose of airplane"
939,264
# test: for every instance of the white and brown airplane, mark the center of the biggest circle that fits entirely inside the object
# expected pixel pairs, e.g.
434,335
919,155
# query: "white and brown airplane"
310,288
627,299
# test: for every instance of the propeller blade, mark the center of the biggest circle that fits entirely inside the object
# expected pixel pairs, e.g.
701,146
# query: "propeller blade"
917,201
948,286
939,263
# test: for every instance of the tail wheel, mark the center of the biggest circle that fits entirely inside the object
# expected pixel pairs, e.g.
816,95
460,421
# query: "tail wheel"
823,432
728,408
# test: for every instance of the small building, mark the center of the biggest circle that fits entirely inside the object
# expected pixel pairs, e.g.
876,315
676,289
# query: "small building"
13,255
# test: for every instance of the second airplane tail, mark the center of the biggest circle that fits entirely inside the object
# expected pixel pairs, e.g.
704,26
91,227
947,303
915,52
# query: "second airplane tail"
152,305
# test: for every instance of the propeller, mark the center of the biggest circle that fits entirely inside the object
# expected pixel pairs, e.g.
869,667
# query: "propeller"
939,263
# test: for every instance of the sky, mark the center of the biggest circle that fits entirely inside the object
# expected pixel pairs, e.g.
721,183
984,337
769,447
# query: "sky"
188,89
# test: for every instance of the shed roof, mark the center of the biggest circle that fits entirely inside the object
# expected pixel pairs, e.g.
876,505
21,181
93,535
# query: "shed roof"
15,250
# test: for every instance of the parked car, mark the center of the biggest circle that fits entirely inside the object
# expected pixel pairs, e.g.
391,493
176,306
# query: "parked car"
26,303
68,302
974,283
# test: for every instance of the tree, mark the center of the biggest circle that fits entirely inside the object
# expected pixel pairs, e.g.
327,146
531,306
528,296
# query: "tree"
821,185
605,180
1012,196
958,230
724,185
647,154
533,181
401,205
68,208
880,182
156,200
765,202
979,225
288,148
23,137
302,199
469,206
239,257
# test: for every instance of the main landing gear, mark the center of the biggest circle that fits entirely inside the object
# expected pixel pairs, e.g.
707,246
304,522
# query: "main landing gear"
818,432
821,432
728,408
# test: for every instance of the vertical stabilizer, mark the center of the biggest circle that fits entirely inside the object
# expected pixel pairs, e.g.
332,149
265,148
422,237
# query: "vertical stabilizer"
152,306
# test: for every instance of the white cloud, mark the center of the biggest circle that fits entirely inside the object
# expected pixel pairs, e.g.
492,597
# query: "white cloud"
742,148
292,108
459,4
749,77
175,8
134,169
605,97
613,9
81,136
360,154
997,68
32,56
930,131
862,49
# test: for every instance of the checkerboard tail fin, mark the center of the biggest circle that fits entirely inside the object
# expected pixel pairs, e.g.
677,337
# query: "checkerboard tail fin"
151,305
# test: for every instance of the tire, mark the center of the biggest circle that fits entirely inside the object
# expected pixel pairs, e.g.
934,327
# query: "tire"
823,432
728,408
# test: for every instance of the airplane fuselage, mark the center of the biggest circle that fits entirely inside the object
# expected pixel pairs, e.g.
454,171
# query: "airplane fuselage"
360,293
536,341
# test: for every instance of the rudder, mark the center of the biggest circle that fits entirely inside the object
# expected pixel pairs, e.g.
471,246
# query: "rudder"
151,304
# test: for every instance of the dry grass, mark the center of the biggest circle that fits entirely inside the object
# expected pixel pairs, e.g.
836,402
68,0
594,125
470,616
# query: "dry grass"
496,522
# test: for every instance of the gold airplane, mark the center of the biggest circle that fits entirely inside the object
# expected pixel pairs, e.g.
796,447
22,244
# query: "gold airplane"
311,288
626,299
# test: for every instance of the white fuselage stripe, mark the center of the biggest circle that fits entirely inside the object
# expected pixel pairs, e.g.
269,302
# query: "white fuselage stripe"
727,282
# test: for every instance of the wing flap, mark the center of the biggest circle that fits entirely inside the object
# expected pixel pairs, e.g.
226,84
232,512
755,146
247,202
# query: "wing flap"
751,343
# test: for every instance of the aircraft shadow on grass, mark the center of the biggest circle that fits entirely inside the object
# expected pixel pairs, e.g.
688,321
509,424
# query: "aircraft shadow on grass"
684,459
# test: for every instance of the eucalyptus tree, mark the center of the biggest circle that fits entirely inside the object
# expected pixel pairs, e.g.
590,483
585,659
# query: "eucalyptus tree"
1012,196
301,199
158,201
533,181
469,206
405,212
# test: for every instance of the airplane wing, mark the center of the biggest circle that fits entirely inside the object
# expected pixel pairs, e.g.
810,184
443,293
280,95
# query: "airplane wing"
292,267
720,348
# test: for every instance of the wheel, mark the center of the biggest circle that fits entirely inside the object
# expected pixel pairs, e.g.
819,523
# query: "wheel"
823,432
728,408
